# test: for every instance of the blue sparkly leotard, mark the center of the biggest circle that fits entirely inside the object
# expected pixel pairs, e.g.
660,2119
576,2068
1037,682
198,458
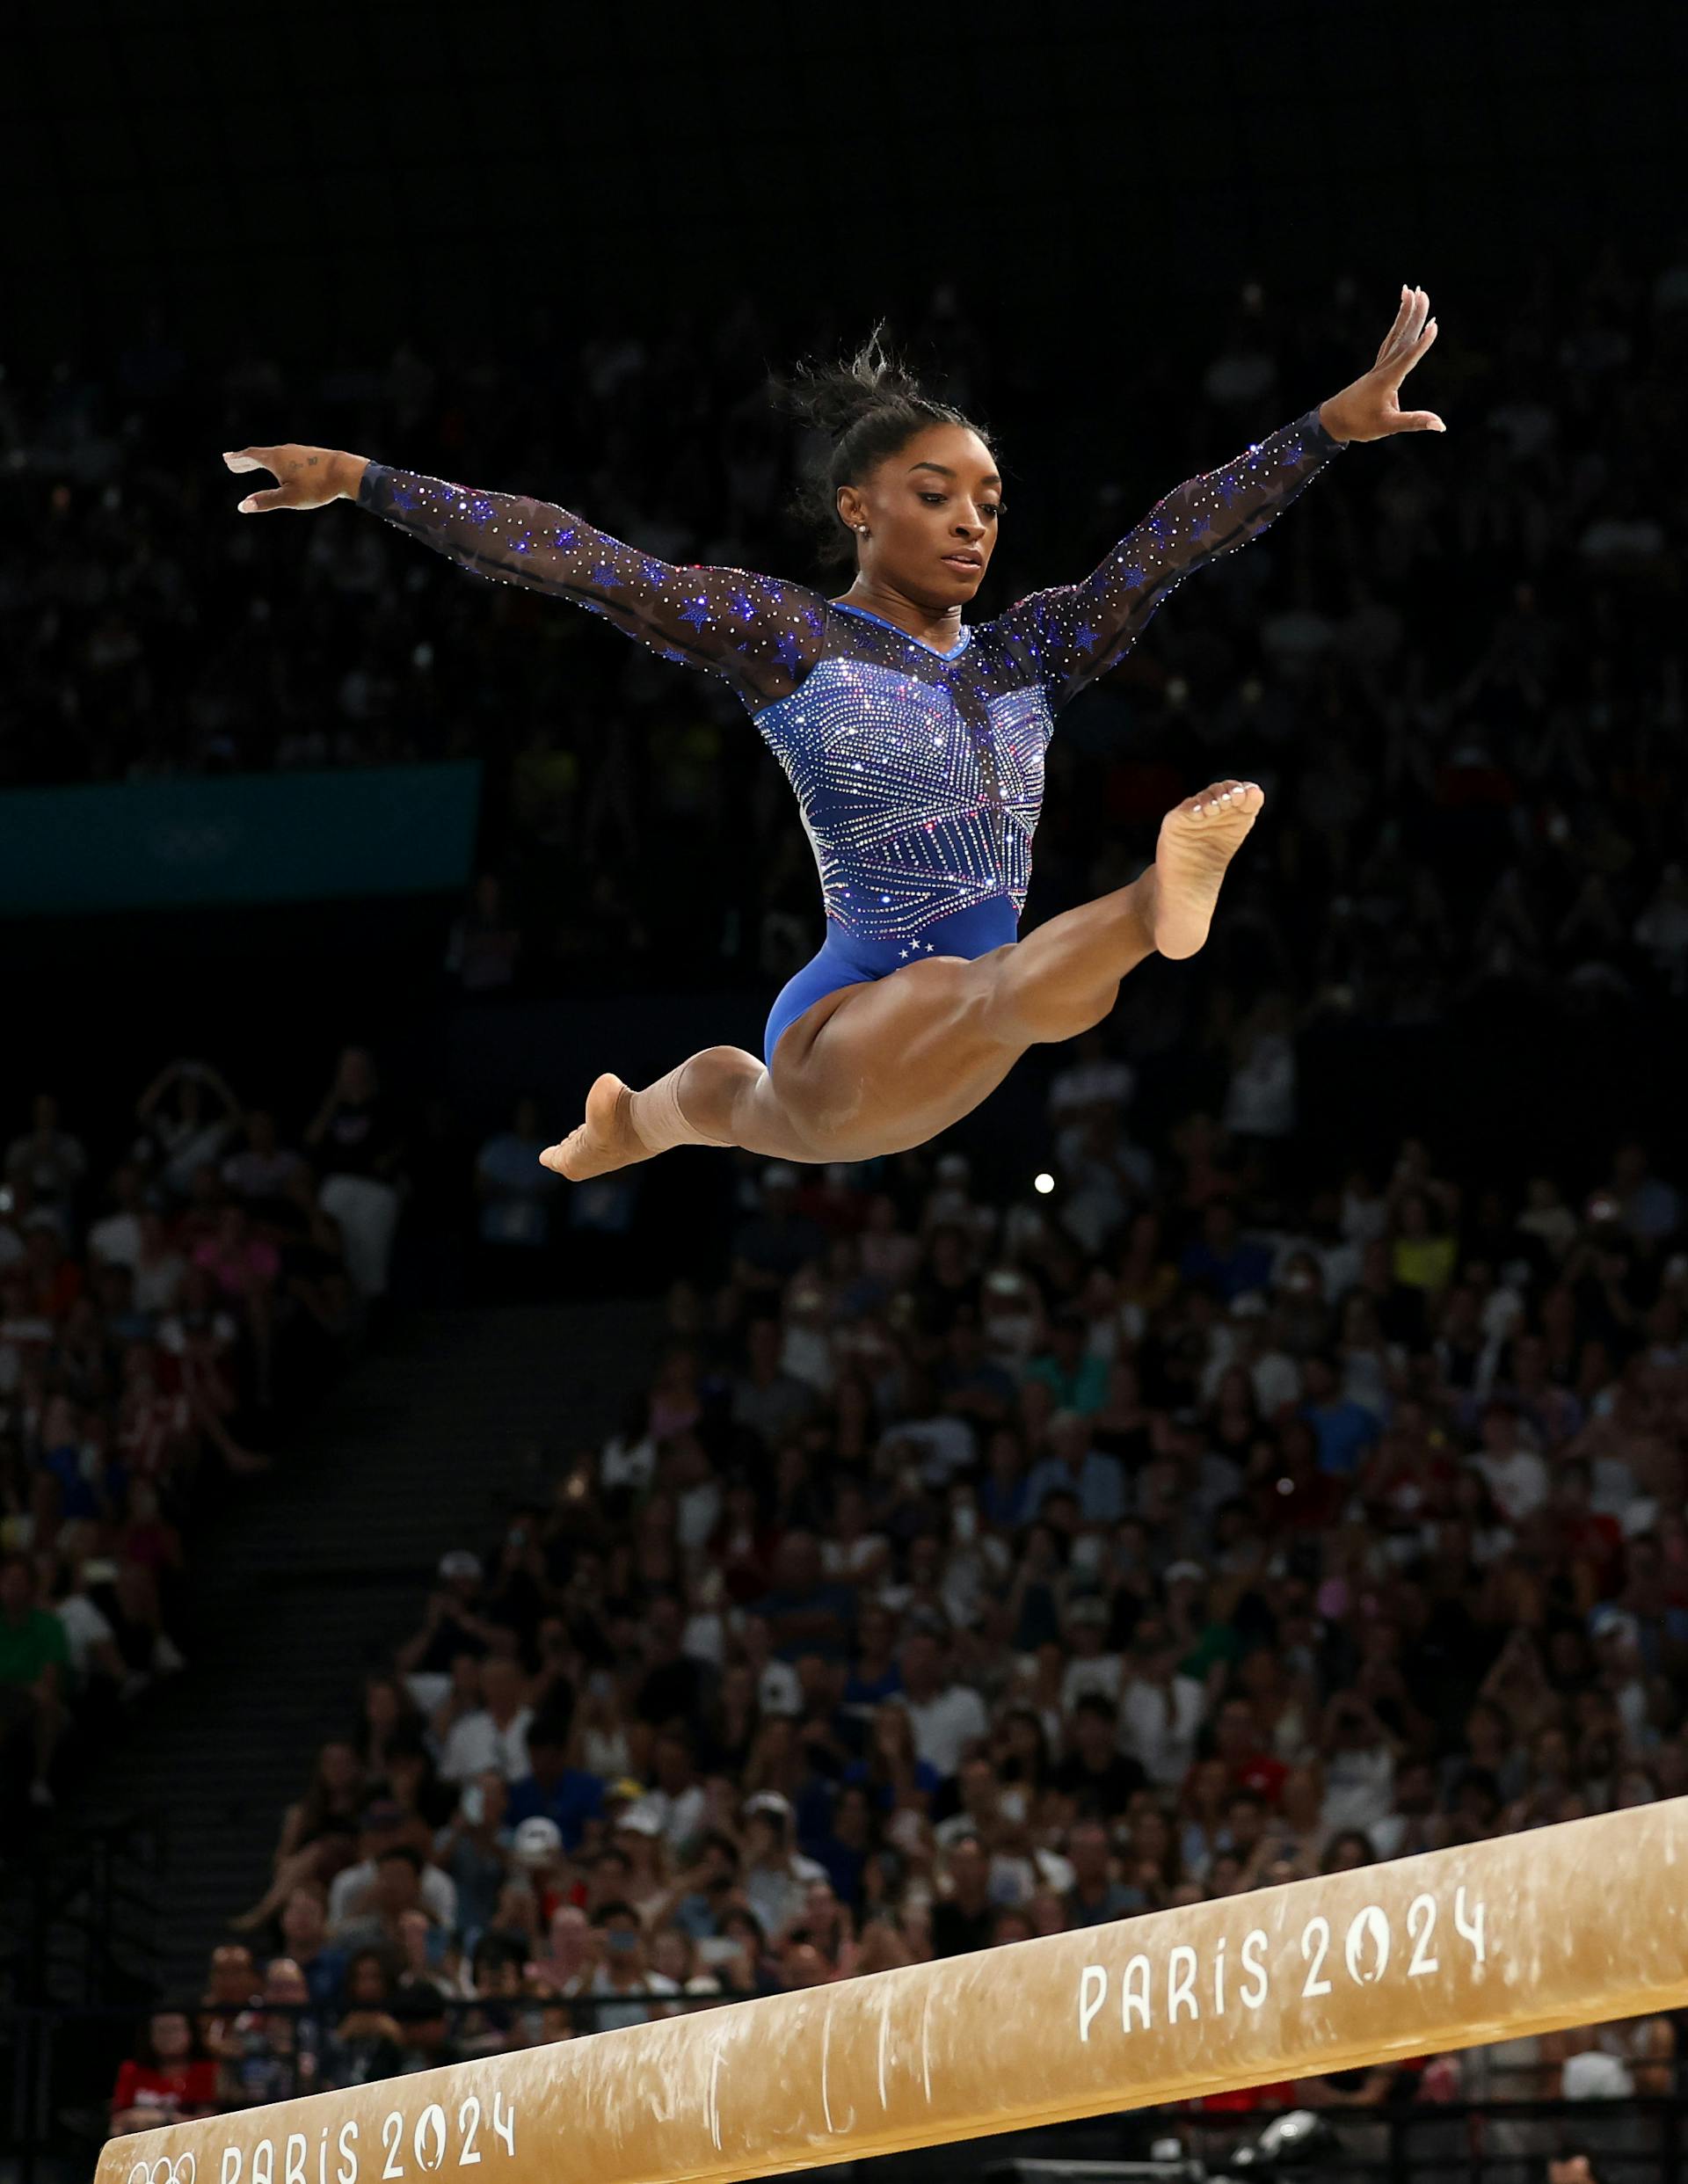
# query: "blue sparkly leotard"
918,774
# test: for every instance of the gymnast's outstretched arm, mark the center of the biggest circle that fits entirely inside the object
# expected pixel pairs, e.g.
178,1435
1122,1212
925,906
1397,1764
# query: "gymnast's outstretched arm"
760,633
1075,632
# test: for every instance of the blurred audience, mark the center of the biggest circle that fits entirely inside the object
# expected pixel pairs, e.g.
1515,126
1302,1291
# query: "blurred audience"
1081,1573
156,1330
964,1571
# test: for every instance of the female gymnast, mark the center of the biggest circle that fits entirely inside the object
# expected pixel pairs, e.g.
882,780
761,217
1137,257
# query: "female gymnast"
915,742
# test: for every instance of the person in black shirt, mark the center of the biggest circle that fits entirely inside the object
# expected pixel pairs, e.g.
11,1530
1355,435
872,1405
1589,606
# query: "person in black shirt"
675,1684
769,1247
456,1622
420,2013
965,1919
947,1288
1399,1308
1095,1772
516,1597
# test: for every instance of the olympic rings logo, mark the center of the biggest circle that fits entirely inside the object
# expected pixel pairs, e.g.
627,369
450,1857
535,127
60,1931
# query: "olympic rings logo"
168,2169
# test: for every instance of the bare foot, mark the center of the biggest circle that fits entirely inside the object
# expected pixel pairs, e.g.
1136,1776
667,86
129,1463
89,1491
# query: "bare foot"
1198,838
606,1141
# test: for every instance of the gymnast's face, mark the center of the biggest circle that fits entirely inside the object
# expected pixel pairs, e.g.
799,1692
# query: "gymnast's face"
931,512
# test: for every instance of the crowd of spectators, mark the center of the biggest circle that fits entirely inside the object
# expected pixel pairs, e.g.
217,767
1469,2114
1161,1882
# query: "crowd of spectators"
165,1306
965,1572
968,1572
1456,666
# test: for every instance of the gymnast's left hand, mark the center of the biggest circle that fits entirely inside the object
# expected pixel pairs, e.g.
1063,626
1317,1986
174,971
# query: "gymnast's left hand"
1369,409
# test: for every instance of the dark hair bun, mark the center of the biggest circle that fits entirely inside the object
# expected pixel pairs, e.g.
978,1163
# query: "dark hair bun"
832,398
868,407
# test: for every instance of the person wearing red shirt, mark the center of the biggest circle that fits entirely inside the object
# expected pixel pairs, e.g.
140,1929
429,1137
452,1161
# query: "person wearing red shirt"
1237,1741
1591,1543
1288,1492
53,1277
164,2081
1246,2099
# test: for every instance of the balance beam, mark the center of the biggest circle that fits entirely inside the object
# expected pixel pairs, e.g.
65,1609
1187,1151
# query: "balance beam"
1573,1925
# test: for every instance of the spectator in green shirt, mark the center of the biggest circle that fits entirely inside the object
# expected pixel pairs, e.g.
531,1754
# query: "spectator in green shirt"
1078,1380
33,1655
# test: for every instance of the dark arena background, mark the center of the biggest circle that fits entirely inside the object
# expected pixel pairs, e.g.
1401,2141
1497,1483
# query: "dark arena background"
447,1611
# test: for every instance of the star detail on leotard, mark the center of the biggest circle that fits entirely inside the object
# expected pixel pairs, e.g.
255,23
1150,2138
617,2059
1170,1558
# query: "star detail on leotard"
696,612
1085,638
604,575
403,498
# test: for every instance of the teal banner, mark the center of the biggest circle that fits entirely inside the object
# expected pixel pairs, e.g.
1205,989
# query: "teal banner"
238,838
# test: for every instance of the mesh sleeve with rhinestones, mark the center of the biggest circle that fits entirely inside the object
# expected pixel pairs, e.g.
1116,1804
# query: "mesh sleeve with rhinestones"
761,634
1074,632
919,771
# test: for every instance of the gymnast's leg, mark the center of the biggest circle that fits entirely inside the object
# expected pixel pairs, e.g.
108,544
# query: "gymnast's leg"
896,1062
722,1097
876,1068
1064,978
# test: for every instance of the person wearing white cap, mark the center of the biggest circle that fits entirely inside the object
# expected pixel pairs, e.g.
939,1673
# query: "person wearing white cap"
1094,1665
775,1875
537,1843
451,1627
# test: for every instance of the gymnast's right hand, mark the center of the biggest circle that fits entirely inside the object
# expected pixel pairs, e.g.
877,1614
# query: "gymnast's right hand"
310,477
